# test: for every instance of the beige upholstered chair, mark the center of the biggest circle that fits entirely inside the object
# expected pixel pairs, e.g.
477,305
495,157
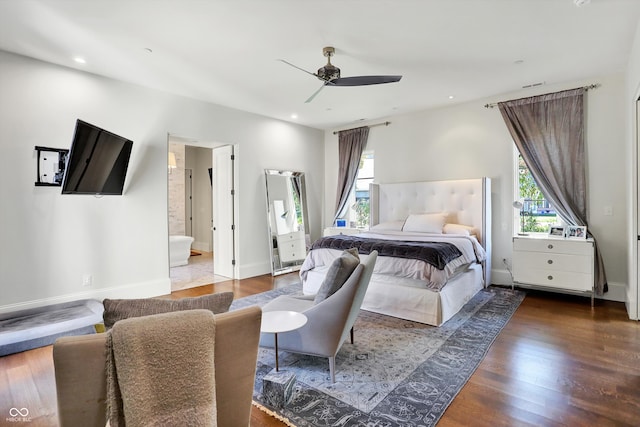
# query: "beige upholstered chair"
81,387
329,322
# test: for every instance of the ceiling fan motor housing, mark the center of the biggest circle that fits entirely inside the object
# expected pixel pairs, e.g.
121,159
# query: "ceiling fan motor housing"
329,72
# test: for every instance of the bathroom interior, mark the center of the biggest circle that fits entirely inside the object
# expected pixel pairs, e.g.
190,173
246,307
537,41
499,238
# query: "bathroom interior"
190,216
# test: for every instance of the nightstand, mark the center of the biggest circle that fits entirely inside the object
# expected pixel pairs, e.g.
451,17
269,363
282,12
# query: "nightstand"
554,264
334,231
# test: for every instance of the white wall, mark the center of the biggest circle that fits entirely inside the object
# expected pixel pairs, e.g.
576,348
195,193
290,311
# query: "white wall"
470,141
50,241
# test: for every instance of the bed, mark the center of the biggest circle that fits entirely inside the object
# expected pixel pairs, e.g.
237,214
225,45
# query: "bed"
434,244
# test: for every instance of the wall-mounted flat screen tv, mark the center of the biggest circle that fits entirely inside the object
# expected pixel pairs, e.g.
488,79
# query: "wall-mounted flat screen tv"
97,162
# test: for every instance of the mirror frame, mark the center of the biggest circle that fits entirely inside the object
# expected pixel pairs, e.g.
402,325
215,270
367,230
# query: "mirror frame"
277,265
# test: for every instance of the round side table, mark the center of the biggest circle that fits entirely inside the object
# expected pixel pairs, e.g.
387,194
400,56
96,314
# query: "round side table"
276,322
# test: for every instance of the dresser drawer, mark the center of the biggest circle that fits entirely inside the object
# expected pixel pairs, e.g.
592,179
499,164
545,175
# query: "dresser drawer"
552,262
296,235
290,249
555,279
558,246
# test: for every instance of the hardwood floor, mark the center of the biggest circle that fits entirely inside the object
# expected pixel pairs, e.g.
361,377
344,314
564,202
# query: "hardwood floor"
558,362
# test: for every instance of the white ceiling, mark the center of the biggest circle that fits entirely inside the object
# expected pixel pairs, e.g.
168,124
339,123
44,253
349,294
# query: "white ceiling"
226,51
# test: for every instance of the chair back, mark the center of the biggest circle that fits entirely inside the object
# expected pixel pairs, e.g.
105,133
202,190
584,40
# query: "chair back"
79,364
358,297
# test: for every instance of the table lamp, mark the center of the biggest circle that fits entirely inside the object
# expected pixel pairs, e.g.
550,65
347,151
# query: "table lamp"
520,206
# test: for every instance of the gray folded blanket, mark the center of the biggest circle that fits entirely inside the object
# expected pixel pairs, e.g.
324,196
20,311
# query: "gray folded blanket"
160,370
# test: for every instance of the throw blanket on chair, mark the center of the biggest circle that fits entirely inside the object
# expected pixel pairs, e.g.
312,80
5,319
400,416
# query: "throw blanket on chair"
160,370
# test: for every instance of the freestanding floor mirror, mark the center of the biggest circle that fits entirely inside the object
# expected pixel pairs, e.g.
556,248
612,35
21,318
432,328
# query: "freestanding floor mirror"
287,217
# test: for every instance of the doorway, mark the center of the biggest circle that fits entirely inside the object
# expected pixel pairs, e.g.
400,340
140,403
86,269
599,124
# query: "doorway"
191,194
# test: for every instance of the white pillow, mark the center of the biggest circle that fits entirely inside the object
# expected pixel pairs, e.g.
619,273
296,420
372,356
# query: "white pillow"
391,226
425,223
458,229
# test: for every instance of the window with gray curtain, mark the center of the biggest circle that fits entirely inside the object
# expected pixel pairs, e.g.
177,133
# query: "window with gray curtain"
351,144
548,130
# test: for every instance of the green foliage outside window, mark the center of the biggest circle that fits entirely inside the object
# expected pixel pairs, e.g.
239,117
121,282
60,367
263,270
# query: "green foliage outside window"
534,222
362,213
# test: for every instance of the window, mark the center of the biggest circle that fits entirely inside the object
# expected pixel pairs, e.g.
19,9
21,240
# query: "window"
536,214
359,199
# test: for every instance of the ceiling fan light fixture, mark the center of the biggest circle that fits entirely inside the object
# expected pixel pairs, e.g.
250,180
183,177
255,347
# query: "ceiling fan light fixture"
330,75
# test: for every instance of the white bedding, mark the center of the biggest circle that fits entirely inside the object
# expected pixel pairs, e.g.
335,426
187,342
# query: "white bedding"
409,298
402,268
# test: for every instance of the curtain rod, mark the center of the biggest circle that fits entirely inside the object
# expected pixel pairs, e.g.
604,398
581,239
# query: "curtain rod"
593,86
371,126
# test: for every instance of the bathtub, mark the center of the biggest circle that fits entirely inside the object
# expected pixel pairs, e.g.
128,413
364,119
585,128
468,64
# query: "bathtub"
179,250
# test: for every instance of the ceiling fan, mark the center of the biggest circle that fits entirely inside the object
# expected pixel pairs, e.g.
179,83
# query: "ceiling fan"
330,75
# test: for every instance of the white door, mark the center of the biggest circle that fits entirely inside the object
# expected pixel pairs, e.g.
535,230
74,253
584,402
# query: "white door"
636,315
223,212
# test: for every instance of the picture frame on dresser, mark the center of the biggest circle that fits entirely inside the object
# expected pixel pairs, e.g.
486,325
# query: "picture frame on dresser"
577,232
556,231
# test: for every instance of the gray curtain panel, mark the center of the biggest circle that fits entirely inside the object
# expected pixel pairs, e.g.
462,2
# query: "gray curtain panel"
351,144
549,133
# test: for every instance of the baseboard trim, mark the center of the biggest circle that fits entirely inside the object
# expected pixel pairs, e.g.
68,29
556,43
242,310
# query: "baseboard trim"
501,277
147,289
617,292
252,270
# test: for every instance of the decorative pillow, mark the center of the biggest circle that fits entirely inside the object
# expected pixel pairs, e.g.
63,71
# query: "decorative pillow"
459,229
425,223
118,309
391,226
338,273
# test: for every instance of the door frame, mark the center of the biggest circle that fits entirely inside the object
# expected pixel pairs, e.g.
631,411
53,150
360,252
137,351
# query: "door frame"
633,292
211,145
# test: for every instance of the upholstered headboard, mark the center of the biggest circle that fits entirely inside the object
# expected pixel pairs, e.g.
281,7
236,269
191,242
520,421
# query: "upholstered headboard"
467,202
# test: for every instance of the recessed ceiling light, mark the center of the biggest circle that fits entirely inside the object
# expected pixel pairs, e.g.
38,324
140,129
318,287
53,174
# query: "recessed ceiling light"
451,96
79,60
581,2
518,62
294,116
148,49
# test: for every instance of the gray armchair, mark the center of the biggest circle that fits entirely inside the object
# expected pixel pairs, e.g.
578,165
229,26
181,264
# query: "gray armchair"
329,322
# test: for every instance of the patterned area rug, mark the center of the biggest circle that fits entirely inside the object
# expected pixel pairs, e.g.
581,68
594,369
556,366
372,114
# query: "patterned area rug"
398,372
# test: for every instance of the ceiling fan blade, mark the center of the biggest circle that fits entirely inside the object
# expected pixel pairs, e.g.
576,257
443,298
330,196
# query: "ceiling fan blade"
365,80
315,93
295,66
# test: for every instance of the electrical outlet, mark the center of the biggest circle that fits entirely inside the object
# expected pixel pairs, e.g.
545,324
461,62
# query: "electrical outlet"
87,280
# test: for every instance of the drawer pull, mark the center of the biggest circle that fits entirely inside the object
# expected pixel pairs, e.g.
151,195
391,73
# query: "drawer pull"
550,246
550,277
549,261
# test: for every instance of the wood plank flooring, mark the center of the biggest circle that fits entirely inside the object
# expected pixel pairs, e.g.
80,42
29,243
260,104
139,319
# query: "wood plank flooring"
558,362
